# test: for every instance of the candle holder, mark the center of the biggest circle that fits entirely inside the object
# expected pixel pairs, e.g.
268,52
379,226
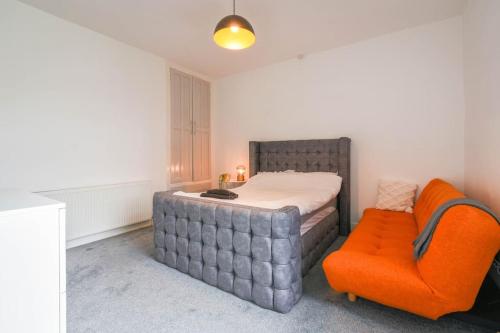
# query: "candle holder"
240,170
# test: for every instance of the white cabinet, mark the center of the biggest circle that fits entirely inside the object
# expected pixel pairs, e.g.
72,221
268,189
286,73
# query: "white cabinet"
190,128
33,263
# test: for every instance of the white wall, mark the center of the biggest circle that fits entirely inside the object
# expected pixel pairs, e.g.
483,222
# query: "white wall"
77,108
399,97
482,96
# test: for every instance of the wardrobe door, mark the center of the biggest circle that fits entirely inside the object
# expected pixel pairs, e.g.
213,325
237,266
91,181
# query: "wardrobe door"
201,130
181,127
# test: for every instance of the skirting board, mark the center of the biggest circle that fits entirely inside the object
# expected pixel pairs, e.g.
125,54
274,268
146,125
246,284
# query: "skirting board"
106,234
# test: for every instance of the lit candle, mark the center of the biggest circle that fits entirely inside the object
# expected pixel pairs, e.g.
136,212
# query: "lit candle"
240,169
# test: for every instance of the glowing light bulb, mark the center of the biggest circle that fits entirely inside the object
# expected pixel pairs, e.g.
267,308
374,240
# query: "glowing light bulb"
235,28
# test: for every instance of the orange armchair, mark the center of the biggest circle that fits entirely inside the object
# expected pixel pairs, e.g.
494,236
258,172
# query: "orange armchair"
376,261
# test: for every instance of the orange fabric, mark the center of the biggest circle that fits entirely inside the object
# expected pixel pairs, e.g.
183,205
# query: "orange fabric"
376,261
436,193
460,254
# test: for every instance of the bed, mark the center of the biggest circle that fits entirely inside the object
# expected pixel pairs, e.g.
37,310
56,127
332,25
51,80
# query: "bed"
258,254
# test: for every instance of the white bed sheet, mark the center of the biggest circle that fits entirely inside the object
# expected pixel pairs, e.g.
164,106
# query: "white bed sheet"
307,191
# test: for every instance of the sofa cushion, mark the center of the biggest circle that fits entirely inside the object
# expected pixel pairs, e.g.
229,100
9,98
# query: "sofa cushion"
376,262
461,252
385,234
383,281
396,195
436,193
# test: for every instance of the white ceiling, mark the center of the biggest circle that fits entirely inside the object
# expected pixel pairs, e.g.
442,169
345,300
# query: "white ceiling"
181,30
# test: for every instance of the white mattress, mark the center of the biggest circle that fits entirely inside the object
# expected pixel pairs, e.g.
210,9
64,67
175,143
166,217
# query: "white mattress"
307,191
315,219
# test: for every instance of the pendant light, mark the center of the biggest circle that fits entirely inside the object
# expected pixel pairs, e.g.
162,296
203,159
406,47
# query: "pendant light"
234,32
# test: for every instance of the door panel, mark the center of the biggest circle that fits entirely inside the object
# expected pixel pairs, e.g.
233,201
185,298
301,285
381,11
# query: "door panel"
201,130
181,159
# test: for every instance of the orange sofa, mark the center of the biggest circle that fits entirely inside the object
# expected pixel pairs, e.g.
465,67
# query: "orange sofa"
376,261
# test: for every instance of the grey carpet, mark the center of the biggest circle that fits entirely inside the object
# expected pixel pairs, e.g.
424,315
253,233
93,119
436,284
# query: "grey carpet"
115,285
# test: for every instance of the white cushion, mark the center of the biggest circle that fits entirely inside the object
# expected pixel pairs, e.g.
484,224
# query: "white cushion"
396,195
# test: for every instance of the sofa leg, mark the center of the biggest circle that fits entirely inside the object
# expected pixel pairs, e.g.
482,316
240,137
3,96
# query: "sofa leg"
351,297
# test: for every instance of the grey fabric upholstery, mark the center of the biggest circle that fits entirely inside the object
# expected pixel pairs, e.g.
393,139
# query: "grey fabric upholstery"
331,155
253,253
257,254
318,239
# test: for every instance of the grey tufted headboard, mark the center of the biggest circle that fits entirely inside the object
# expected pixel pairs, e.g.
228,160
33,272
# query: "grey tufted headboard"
330,155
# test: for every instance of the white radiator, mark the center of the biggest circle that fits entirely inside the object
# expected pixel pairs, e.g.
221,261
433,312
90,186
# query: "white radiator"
98,212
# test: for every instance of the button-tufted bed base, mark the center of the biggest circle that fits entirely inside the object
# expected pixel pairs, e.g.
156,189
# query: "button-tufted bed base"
254,253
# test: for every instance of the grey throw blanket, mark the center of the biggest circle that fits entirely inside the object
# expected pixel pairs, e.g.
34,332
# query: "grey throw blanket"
220,194
421,244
